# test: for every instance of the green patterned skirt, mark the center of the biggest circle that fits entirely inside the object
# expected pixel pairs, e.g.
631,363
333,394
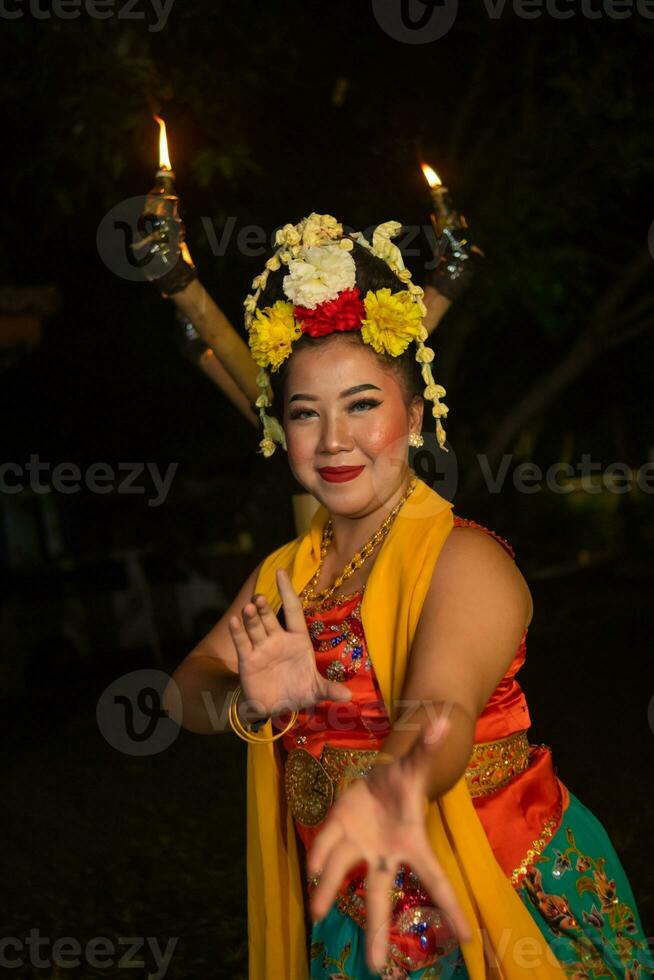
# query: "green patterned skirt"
577,892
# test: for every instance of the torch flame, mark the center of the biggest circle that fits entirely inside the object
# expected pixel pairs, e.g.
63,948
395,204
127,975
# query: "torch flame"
431,176
164,159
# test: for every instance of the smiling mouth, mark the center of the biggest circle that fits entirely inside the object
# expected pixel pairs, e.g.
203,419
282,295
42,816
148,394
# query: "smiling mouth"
339,474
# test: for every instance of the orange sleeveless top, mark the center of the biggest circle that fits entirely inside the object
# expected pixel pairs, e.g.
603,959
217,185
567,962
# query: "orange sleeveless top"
519,818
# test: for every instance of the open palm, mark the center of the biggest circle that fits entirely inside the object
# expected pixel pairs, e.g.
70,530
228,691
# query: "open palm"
380,819
277,666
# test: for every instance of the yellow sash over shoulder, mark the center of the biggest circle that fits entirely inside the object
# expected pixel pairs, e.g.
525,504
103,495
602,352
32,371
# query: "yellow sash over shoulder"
506,939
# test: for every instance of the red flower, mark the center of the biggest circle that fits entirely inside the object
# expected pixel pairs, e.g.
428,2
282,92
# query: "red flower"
345,312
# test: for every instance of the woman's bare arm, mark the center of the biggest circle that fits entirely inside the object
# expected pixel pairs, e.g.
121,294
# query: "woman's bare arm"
475,612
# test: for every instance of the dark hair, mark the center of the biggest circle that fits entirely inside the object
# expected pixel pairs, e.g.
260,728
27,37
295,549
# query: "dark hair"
372,273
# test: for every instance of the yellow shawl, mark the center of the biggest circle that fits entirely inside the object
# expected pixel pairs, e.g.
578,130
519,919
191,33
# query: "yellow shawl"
391,607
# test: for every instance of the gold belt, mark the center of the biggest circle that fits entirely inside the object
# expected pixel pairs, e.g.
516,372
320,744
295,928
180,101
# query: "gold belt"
313,784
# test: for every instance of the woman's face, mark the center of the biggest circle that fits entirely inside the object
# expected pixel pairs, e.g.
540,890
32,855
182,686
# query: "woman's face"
344,408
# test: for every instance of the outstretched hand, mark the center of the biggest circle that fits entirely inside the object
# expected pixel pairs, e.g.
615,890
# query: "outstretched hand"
380,819
277,666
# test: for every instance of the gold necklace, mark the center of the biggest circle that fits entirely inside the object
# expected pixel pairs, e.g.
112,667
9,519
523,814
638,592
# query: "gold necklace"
308,596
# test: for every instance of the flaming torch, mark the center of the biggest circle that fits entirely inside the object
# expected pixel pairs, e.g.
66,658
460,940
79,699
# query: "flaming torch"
162,249
207,337
443,216
454,268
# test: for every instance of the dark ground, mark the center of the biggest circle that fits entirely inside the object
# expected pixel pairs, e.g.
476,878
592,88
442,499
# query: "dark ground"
103,844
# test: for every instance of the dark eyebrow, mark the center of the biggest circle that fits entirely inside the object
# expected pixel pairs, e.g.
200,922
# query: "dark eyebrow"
343,394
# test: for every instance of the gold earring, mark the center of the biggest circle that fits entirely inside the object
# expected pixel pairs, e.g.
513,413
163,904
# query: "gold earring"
416,440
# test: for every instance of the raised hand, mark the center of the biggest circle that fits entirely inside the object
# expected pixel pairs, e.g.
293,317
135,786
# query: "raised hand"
277,666
380,819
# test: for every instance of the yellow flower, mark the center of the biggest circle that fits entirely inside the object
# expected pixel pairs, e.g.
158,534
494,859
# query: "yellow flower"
267,447
424,355
439,410
288,235
392,321
272,333
320,228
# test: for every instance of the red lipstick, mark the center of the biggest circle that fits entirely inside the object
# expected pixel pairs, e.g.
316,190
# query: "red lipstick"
339,474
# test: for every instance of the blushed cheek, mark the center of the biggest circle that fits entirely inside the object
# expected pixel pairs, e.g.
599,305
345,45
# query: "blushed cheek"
300,447
386,433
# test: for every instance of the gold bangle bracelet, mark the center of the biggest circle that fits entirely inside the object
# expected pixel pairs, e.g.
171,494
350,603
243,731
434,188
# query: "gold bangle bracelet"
243,733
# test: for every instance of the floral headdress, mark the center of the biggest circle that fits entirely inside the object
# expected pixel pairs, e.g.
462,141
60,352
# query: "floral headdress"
322,298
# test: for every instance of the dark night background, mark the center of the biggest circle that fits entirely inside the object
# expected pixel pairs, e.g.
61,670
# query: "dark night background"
541,129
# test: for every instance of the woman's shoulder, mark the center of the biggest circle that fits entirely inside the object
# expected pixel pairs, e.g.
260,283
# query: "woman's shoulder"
466,522
477,565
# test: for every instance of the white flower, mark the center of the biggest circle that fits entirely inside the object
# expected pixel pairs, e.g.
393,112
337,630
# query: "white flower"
319,275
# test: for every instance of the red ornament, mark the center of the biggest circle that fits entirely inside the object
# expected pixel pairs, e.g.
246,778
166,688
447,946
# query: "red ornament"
345,312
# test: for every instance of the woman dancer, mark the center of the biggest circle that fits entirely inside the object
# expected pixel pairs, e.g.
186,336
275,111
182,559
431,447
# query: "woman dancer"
399,821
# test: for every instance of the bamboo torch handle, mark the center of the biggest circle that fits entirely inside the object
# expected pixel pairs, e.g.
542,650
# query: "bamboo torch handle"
195,303
437,306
